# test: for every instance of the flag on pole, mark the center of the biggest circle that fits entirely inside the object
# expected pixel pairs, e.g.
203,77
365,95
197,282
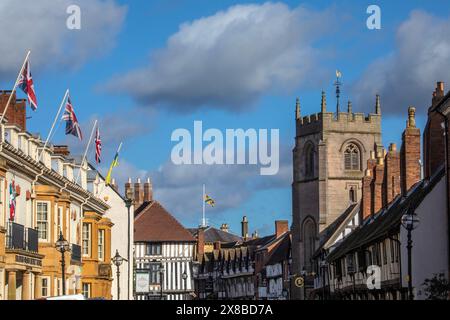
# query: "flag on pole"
114,164
209,200
72,125
26,84
12,200
98,146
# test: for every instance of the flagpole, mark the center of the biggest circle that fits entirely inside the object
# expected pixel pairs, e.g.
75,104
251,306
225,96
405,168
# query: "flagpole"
86,151
14,88
203,201
54,123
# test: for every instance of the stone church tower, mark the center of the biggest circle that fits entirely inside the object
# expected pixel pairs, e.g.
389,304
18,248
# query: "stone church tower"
329,157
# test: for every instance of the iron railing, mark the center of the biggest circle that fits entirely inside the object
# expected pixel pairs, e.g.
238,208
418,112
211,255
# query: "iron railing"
19,237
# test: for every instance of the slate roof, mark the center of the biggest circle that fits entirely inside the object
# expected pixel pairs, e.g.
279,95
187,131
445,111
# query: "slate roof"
213,234
387,220
153,223
281,251
331,230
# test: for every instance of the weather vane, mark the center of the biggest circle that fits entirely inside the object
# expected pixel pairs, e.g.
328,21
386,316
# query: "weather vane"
338,83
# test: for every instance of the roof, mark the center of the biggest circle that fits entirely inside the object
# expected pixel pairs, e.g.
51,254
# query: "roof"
213,235
281,251
153,223
334,227
387,220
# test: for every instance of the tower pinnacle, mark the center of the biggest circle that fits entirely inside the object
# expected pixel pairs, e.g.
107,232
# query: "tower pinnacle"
297,109
324,102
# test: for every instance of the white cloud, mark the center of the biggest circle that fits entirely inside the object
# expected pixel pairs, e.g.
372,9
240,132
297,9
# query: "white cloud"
179,187
41,27
229,59
408,75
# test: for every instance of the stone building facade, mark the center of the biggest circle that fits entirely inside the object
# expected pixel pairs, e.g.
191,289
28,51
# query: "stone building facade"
329,156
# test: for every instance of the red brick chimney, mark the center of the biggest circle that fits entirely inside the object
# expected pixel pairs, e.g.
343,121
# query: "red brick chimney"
433,136
200,242
61,150
392,180
148,190
281,226
17,110
410,153
138,193
378,183
366,197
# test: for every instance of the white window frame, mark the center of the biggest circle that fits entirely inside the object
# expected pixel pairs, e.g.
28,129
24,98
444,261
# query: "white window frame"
101,244
47,287
89,240
89,289
47,221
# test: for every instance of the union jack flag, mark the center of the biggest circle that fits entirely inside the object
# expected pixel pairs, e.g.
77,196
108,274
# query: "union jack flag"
98,146
72,125
27,86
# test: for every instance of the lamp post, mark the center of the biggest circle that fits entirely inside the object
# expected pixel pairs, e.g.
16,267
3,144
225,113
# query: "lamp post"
117,260
410,221
303,273
161,276
323,268
184,276
128,203
62,245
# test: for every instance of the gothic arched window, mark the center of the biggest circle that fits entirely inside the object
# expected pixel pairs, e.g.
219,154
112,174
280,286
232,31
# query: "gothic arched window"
309,238
309,160
352,195
352,158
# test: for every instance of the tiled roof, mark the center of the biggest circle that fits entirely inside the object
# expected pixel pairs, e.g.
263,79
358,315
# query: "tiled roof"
281,251
213,235
387,220
153,223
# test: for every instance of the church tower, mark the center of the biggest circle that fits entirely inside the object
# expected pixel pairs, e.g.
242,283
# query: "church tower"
331,150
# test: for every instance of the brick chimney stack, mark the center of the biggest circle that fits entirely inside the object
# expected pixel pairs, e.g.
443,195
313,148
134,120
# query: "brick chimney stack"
138,193
366,198
281,226
148,190
17,110
378,183
200,242
244,228
410,153
392,181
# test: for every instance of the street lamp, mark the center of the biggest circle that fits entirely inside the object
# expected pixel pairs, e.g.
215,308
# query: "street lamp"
410,221
62,245
161,276
184,276
128,203
117,260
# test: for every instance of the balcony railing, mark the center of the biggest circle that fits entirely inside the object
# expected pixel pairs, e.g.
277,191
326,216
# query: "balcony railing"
76,253
20,238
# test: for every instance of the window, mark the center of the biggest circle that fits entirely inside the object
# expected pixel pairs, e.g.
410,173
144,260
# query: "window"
309,161
154,249
42,220
86,290
59,219
44,287
101,245
2,209
86,239
352,158
352,194
309,231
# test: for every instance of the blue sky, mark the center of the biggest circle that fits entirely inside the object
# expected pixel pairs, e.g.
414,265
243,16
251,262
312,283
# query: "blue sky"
125,68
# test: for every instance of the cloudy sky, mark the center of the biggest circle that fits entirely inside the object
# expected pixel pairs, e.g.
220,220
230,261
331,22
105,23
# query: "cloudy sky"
146,68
